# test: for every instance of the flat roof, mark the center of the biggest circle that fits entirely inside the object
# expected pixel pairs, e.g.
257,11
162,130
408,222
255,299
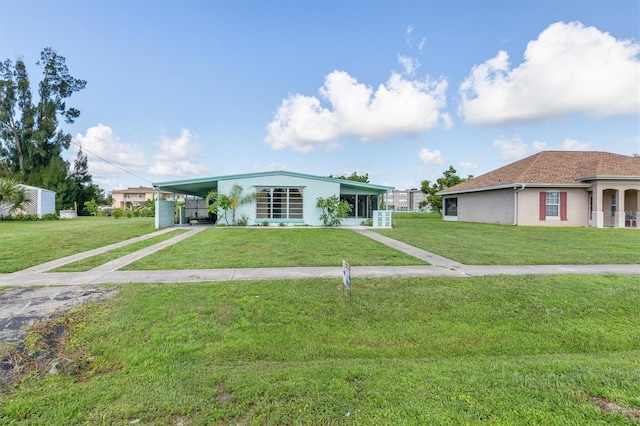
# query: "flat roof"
202,186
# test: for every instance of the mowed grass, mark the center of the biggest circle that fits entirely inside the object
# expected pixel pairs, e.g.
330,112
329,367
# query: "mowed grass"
486,350
226,247
100,259
30,243
486,244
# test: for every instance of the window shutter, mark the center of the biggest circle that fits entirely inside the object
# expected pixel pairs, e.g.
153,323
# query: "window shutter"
543,206
563,206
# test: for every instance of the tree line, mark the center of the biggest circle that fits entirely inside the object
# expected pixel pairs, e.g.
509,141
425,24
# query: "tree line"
32,139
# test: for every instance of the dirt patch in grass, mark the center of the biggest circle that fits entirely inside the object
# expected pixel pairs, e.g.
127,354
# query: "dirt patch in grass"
611,406
44,349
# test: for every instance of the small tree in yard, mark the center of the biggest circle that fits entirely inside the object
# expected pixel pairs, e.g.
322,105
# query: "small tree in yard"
91,207
224,202
334,211
448,179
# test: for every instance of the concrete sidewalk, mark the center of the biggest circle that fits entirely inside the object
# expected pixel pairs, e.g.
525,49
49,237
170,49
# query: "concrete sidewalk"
38,295
439,266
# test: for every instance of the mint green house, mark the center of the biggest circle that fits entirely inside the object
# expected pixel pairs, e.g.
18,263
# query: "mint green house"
285,198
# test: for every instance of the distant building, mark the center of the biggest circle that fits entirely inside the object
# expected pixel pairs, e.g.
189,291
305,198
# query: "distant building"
129,198
404,201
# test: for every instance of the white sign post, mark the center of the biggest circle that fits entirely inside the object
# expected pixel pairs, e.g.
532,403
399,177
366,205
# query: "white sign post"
346,276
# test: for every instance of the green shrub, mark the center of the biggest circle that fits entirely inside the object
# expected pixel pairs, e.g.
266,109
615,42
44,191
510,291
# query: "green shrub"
334,211
117,213
243,220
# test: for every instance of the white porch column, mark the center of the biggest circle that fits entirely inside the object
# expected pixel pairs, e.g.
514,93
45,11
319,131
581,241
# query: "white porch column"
598,213
637,209
620,210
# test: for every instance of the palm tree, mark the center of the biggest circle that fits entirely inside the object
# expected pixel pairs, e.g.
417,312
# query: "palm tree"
13,194
238,198
232,201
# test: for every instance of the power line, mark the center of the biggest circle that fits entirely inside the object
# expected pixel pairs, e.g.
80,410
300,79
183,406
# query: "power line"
109,162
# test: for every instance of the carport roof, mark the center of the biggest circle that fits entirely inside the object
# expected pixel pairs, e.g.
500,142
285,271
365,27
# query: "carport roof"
202,186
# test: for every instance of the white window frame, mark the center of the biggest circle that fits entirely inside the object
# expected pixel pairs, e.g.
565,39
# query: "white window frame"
551,204
291,206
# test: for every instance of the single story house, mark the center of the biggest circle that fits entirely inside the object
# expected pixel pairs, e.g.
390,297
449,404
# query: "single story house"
286,198
42,202
552,188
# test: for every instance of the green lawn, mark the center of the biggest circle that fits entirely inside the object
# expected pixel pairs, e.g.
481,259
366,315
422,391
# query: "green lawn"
100,259
30,243
485,244
226,247
25,244
487,350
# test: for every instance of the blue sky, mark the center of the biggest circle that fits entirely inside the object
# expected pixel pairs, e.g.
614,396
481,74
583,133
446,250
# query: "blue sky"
396,89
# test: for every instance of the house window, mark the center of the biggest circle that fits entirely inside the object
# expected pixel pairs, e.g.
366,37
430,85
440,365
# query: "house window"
451,206
279,203
362,206
553,205
552,208
614,207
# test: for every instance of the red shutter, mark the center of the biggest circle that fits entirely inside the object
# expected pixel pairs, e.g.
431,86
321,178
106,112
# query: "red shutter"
543,206
563,206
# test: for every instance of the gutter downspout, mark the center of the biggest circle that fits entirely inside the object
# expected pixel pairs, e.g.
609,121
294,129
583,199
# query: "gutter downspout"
515,202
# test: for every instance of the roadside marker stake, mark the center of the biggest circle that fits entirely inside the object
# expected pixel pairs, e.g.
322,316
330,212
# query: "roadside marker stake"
346,276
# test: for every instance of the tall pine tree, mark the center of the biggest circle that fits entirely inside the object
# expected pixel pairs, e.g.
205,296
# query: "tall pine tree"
86,190
31,140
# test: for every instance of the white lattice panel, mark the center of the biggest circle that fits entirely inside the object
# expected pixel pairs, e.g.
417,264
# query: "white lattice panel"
382,218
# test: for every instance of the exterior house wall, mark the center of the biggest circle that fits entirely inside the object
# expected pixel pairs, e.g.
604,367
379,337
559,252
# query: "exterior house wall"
43,201
164,214
311,190
577,207
46,202
486,206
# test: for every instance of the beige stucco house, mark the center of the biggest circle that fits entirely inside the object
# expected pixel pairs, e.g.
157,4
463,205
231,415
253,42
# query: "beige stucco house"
129,198
552,188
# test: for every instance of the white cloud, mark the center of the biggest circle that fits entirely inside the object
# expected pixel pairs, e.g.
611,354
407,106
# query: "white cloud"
270,167
107,156
109,159
176,157
398,107
409,31
515,148
573,145
569,68
410,64
511,149
467,165
539,146
430,157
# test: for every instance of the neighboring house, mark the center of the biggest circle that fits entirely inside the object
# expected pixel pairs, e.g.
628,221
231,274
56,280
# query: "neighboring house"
286,198
43,202
130,198
552,188
403,201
